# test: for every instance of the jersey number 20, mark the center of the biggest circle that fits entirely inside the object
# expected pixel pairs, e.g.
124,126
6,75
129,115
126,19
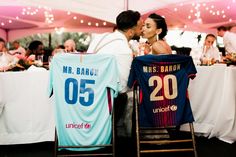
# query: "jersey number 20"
163,83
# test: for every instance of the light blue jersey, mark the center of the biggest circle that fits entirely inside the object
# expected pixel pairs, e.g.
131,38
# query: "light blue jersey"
84,87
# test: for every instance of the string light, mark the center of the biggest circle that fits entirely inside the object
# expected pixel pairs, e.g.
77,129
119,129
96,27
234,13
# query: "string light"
48,15
197,10
47,12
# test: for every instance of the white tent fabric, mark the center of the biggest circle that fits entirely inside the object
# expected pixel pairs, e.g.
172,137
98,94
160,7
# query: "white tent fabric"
98,11
102,9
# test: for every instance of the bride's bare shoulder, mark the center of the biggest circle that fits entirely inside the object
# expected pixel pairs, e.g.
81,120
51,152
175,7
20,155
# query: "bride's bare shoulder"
161,47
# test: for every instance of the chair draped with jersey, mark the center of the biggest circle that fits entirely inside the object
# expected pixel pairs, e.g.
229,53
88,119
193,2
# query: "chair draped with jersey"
83,87
161,102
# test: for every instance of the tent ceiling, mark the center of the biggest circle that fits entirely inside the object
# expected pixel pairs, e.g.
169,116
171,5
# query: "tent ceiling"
203,16
20,17
94,13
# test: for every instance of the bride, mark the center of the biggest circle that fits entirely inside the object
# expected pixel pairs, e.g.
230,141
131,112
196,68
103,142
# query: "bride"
154,30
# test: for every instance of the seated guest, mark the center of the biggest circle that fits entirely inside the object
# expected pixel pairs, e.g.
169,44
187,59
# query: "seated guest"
58,49
7,61
35,49
232,29
18,49
207,52
2,45
70,46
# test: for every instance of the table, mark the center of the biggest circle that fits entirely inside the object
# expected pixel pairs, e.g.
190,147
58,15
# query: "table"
213,100
27,115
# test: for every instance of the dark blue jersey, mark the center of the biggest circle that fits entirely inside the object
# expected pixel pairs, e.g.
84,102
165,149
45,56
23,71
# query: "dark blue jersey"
163,81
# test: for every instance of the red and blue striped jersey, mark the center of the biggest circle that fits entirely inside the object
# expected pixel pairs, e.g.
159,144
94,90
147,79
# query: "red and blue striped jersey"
163,81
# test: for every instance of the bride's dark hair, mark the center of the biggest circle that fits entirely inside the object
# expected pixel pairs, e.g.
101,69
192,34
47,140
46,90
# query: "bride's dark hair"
160,23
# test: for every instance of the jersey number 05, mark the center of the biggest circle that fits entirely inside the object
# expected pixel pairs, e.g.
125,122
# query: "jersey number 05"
86,94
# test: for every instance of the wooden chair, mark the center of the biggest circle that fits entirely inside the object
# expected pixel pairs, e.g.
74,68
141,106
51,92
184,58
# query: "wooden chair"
157,108
83,104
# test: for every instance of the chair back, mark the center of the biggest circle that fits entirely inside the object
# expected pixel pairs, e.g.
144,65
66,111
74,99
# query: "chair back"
160,94
84,87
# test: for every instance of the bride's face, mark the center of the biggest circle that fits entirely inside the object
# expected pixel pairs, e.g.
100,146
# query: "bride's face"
149,28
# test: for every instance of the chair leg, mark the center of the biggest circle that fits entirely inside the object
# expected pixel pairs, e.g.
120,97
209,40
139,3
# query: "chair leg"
55,145
138,145
135,99
193,137
113,134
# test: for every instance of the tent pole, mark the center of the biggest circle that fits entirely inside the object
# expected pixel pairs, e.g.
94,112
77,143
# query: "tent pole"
49,40
7,38
126,4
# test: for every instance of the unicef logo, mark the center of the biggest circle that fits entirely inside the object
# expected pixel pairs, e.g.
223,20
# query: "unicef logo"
173,107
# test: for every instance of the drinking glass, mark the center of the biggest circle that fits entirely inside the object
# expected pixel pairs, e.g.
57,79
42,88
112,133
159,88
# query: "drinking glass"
49,59
39,60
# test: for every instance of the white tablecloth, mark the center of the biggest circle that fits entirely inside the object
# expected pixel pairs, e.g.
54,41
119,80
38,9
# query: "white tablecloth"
27,115
213,99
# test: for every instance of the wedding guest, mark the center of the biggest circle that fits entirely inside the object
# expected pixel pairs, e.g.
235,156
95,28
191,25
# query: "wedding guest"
18,49
232,29
7,61
70,46
58,49
35,49
207,52
229,39
155,30
2,45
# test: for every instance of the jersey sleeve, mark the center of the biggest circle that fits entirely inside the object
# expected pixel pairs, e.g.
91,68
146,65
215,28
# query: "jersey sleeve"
50,81
132,75
113,78
190,68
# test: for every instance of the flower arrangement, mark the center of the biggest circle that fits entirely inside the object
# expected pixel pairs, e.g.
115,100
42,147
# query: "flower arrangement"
24,62
230,59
